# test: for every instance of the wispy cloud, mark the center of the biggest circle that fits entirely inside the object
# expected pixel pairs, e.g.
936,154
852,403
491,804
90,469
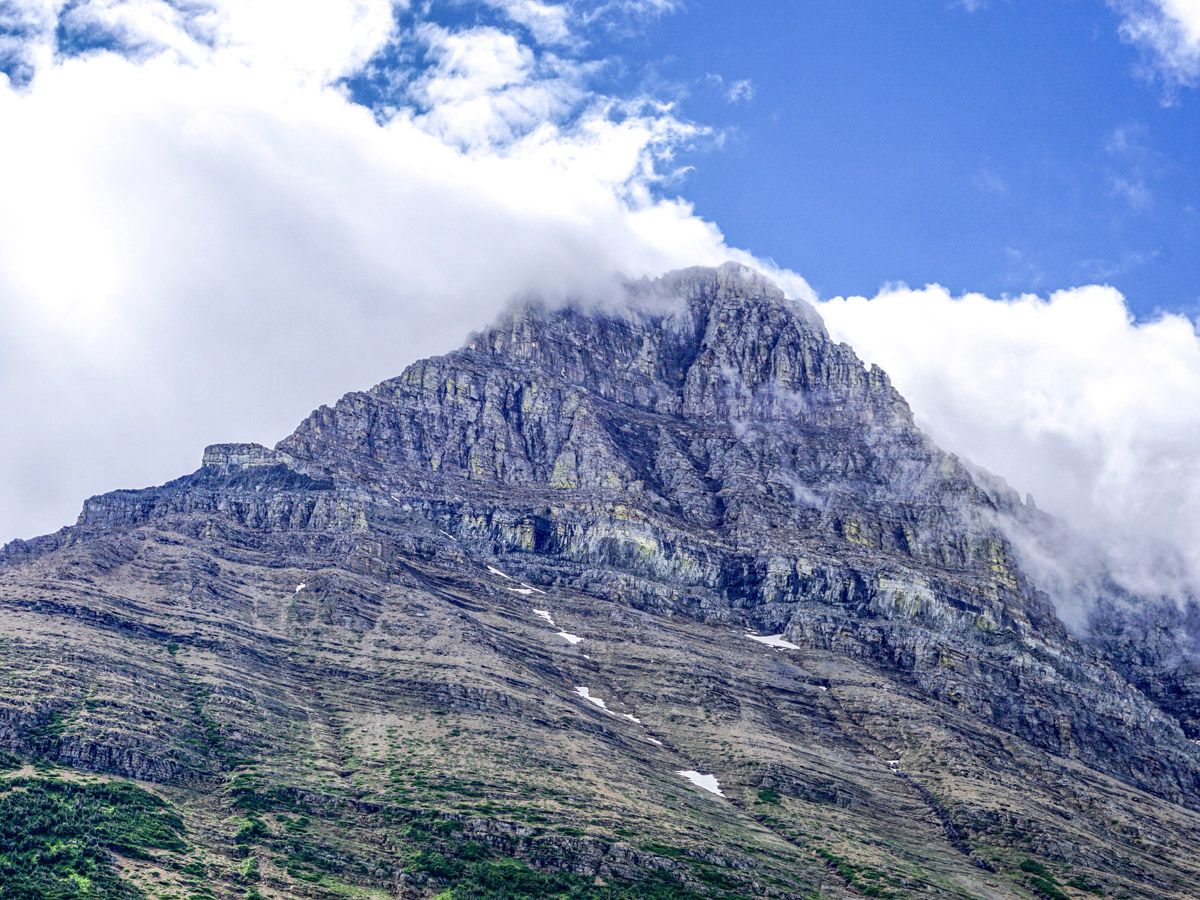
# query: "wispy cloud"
1133,191
1132,164
1104,270
1067,397
1022,269
740,90
1168,34
989,182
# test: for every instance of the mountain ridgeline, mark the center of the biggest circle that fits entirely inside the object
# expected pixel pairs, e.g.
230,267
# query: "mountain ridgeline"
669,598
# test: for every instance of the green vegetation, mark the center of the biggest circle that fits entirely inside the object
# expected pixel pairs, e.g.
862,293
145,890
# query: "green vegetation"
195,869
298,825
435,851
1042,881
1080,883
503,879
767,795
249,831
55,725
57,837
1033,867
212,734
867,881
249,794
249,870
470,870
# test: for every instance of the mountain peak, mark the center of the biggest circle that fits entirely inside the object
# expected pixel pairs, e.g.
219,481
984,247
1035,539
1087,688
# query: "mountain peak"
600,550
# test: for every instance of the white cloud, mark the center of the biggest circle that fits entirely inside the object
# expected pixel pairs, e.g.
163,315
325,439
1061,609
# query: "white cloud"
202,238
740,91
1132,165
1132,190
634,8
486,88
304,41
27,34
1168,32
1067,398
547,22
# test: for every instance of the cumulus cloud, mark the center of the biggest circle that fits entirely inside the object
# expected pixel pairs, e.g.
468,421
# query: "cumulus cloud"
312,43
1068,398
485,87
549,23
1168,33
203,235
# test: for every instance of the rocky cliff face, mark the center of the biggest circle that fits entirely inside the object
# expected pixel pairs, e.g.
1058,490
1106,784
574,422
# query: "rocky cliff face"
501,601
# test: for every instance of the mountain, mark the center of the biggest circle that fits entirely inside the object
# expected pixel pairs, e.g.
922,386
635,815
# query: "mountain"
668,597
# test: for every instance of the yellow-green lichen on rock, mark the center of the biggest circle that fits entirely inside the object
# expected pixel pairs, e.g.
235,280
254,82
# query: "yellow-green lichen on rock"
566,470
998,563
853,531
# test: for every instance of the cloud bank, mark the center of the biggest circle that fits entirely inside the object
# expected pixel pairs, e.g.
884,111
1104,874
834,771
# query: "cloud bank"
1069,399
203,234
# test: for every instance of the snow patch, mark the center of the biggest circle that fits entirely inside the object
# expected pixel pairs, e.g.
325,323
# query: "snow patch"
773,640
531,588
544,614
700,780
496,571
586,694
570,638
524,592
655,741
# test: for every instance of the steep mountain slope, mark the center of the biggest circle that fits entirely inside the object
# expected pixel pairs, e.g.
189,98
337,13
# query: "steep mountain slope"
465,631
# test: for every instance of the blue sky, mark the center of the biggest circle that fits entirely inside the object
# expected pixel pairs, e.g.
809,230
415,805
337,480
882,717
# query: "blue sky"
1021,145
1003,150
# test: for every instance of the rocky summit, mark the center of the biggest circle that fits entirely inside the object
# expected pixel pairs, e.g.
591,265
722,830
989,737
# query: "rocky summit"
666,597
